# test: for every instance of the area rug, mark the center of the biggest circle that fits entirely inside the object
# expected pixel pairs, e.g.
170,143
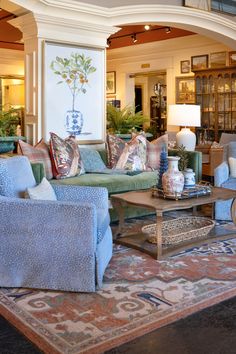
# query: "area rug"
139,295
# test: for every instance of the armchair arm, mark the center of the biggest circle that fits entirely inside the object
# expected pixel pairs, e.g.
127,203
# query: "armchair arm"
221,174
50,221
95,195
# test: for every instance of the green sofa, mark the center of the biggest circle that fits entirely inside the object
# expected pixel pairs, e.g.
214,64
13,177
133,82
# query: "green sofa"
119,183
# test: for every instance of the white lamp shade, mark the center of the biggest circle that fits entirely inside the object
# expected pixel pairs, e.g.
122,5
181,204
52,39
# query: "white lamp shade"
185,115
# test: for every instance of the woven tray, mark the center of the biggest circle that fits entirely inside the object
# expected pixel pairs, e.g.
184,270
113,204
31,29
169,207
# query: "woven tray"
180,230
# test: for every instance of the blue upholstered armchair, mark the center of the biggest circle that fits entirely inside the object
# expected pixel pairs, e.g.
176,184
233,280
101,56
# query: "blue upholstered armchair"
222,178
64,244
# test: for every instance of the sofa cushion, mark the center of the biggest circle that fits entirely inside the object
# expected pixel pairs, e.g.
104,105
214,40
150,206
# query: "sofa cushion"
91,160
66,161
154,151
15,176
232,167
37,153
115,146
115,183
43,191
134,155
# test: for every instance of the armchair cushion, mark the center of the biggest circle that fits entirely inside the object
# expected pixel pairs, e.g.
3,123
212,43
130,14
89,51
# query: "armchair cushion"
43,191
232,166
15,176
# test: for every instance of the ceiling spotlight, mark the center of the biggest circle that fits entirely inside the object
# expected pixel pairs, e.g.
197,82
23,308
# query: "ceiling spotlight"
134,39
108,43
168,29
147,27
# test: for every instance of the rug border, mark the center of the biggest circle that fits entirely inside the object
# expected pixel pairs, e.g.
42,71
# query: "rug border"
41,342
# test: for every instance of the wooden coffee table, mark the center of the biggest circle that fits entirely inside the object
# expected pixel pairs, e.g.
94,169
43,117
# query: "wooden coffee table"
160,205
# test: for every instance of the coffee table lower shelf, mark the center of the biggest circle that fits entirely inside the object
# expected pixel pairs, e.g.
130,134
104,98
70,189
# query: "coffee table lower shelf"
139,242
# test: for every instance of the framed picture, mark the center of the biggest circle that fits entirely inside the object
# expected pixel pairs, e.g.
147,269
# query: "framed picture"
218,59
111,82
232,58
199,62
73,78
185,89
185,66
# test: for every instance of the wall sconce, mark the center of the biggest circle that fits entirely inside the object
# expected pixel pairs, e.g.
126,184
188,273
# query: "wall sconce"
134,38
147,27
108,43
168,30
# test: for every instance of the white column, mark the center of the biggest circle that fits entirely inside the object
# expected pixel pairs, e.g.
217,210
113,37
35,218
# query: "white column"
36,30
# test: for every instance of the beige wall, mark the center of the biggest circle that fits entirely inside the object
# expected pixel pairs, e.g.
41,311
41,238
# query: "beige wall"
165,55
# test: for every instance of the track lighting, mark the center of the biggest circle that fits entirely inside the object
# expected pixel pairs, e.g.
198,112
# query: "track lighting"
134,39
134,35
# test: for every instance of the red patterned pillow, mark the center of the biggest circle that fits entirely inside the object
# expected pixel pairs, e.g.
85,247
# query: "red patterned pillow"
134,155
66,161
37,153
154,151
115,146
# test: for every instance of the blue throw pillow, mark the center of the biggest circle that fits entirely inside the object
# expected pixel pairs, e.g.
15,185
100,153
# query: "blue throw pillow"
92,160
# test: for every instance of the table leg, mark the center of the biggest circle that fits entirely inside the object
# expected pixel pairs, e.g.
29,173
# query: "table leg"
159,220
233,211
118,205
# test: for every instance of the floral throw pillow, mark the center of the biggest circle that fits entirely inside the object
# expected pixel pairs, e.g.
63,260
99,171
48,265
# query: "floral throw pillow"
37,153
66,161
154,152
133,156
115,146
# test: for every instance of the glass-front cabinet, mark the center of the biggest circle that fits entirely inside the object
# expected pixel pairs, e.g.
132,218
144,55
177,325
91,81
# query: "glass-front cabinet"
216,94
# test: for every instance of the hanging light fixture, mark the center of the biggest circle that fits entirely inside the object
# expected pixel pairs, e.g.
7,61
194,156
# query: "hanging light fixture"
134,38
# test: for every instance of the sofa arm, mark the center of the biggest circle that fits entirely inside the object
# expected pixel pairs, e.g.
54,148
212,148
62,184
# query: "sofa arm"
221,174
194,161
38,171
95,195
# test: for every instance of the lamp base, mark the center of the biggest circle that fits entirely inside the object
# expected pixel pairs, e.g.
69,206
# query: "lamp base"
186,138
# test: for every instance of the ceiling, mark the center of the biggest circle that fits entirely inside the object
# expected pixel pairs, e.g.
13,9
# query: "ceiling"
10,36
123,38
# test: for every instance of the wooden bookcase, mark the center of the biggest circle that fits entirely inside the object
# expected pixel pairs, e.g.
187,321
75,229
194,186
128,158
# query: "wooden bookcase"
216,93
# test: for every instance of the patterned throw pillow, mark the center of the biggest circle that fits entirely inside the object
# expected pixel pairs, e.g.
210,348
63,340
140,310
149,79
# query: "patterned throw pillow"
115,146
154,151
65,157
43,191
37,153
134,155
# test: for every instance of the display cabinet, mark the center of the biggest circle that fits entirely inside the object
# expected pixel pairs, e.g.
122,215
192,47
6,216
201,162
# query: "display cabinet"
216,93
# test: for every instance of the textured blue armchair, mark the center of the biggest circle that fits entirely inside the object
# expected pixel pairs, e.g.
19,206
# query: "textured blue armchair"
223,179
63,245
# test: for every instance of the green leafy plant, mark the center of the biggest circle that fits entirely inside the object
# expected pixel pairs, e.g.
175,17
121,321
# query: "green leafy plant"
182,153
124,120
8,122
73,71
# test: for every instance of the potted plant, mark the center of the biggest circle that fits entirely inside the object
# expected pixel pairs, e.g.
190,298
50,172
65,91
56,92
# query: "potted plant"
123,122
9,120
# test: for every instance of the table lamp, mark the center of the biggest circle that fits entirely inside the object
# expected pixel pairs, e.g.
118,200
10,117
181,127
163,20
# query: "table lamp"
185,115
